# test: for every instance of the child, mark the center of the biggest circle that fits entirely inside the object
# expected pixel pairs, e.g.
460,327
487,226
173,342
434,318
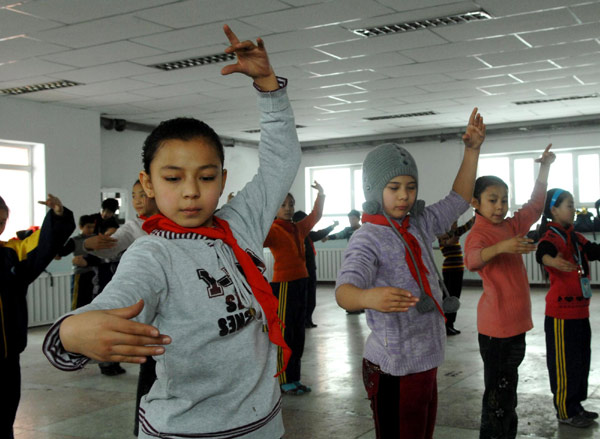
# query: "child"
21,263
494,248
453,266
112,246
354,220
198,278
82,285
565,255
106,222
289,283
386,272
311,266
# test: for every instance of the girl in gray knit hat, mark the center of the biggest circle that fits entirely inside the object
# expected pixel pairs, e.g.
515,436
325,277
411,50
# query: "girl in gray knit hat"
389,271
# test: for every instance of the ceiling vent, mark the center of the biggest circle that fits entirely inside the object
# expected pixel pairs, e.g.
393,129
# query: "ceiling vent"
544,101
39,87
399,116
258,130
194,62
466,17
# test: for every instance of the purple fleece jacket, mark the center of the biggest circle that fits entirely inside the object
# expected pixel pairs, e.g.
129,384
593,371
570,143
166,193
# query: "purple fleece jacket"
401,343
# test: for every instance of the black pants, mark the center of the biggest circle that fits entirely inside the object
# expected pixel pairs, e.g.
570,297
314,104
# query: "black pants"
311,295
10,371
146,379
82,289
291,311
453,280
501,360
568,356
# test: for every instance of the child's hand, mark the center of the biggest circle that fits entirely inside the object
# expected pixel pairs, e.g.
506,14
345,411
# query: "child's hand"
475,132
547,157
518,245
99,242
252,61
559,263
79,261
109,335
318,187
53,203
390,299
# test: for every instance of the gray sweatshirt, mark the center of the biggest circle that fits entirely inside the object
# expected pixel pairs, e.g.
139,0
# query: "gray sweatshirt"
216,378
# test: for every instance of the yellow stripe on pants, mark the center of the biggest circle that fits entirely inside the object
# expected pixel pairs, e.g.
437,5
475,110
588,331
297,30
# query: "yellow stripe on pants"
283,290
561,368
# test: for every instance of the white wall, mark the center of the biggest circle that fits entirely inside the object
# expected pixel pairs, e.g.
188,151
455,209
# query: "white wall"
122,162
72,150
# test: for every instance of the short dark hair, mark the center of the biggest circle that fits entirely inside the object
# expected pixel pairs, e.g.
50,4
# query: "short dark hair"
355,213
3,205
110,204
136,182
299,215
86,219
482,183
547,213
182,128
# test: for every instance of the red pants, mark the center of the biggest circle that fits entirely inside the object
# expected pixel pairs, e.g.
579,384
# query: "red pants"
403,406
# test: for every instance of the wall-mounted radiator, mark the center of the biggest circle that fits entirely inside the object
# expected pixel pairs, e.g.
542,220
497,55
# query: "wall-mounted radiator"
48,298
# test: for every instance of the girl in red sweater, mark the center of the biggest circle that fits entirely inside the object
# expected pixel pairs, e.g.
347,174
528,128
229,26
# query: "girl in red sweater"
564,255
493,249
289,283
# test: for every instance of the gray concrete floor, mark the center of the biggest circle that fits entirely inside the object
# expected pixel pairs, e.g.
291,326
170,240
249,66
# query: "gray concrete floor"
85,404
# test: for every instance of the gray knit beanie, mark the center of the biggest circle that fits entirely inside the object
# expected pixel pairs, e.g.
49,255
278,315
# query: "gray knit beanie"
381,165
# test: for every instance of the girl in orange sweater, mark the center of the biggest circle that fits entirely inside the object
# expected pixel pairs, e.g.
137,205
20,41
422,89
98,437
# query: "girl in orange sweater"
286,242
494,248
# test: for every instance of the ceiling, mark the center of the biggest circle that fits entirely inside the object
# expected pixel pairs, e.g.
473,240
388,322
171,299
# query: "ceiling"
529,50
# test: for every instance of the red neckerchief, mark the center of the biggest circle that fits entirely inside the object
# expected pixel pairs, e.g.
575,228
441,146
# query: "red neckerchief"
260,287
414,246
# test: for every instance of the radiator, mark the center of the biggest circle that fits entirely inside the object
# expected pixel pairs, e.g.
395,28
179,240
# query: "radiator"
329,262
48,298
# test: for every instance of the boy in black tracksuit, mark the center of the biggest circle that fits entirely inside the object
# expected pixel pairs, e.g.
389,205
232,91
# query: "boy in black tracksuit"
21,262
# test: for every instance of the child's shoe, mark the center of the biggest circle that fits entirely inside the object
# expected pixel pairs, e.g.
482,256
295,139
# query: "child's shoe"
291,389
589,415
302,387
579,421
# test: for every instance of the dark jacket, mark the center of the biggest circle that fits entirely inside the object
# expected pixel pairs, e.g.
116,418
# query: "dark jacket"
20,264
309,253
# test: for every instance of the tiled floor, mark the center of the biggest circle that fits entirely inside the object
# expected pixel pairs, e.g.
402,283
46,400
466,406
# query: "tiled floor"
85,404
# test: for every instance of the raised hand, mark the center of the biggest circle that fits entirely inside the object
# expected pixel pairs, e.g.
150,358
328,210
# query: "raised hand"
252,61
547,157
99,242
390,299
109,335
475,132
318,187
53,203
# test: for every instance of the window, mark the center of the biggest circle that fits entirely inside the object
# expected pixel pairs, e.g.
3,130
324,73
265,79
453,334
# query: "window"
577,171
20,184
343,187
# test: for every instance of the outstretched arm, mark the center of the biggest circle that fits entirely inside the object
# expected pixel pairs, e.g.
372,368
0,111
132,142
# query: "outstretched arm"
384,299
109,335
473,138
545,161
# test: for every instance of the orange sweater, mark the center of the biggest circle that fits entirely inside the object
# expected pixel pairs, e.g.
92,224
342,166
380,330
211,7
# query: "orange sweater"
504,309
286,242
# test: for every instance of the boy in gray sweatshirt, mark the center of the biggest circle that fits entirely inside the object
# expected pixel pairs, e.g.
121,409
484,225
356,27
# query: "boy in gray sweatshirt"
216,377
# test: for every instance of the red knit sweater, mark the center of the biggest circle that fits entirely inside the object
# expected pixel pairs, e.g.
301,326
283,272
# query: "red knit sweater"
565,299
286,242
504,309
